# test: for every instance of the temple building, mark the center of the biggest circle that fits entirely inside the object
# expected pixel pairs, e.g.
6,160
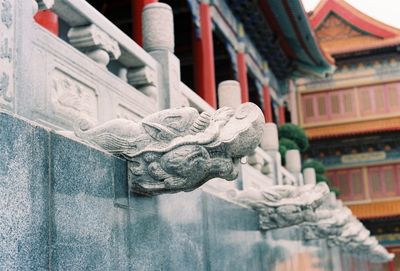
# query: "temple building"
353,116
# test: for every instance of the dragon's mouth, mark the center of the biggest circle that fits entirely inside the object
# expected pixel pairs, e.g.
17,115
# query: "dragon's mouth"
197,155
218,152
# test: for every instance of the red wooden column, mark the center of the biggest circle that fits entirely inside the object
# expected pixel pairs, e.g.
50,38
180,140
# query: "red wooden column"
391,263
282,119
48,20
137,9
204,58
242,73
267,104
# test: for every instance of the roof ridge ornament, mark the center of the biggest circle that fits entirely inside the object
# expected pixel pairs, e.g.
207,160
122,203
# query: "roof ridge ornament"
179,149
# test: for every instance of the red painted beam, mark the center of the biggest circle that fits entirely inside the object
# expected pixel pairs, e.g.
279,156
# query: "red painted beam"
242,75
267,104
48,20
137,9
282,119
204,58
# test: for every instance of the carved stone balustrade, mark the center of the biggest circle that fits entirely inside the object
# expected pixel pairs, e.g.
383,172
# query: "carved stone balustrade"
283,206
95,43
179,149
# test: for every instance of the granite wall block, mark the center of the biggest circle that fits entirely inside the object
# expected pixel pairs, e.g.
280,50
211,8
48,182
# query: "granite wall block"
24,195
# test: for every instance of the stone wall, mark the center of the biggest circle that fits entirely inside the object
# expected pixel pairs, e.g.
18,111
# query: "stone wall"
66,206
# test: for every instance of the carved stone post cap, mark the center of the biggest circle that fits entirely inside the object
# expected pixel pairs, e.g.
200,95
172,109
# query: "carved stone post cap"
309,176
229,94
293,161
158,27
270,139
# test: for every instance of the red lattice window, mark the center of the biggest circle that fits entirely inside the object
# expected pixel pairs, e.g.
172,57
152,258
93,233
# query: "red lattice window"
384,181
349,182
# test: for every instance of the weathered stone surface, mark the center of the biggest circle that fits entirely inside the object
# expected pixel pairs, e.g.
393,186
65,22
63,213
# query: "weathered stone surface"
88,232
233,240
64,213
179,149
24,195
283,206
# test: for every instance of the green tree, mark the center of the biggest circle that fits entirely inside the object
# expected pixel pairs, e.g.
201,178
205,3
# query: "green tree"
296,134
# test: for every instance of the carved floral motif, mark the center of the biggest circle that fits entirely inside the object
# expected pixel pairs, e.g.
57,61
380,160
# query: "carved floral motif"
179,149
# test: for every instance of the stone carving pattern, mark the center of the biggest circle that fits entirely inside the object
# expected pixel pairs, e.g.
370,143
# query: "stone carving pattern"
179,149
336,223
283,205
6,53
5,50
91,38
72,98
6,13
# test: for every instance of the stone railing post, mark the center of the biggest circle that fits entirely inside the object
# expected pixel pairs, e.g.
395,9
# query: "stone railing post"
270,144
229,94
158,41
309,176
293,165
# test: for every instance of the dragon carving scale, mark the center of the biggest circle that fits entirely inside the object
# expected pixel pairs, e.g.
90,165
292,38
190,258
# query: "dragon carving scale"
335,223
179,149
283,205
312,208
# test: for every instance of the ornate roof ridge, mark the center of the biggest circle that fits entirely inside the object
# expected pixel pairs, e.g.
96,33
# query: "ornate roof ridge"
352,16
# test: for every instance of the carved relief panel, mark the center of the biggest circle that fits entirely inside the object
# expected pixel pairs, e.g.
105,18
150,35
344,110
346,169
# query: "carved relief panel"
71,98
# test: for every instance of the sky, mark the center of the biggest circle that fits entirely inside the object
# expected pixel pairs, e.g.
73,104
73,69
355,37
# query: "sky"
387,11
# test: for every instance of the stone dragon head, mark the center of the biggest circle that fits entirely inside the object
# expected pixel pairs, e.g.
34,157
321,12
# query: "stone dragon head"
179,149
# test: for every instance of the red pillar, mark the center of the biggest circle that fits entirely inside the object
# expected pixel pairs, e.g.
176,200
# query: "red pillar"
267,104
137,9
242,75
48,20
204,58
391,265
282,119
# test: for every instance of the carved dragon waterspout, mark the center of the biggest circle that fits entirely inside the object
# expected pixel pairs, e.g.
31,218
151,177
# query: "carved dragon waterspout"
179,149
